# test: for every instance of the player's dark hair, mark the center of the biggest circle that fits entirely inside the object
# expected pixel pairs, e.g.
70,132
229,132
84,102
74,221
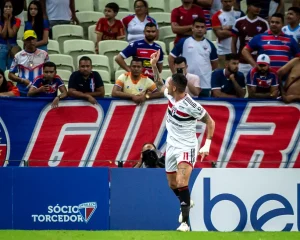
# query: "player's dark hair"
113,6
150,24
199,20
295,9
180,60
3,87
49,64
136,59
179,81
85,58
278,15
231,56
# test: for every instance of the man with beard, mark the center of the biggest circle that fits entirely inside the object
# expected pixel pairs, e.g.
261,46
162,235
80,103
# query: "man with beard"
143,49
262,81
244,29
290,91
280,47
228,82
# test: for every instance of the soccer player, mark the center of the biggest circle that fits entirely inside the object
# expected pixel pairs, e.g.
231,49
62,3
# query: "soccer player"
182,143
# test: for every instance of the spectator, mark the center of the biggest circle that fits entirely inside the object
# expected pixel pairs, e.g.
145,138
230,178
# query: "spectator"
182,19
222,23
18,8
274,43
59,12
262,81
193,85
135,23
85,83
9,27
28,63
48,84
143,49
228,82
206,6
134,85
7,88
244,29
200,53
290,91
37,23
109,28
293,19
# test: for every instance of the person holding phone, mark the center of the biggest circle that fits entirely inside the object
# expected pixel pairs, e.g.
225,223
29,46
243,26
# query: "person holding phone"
48,84
228,82
193,85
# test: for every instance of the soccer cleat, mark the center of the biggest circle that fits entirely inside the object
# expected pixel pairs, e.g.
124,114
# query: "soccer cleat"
192,204
184,227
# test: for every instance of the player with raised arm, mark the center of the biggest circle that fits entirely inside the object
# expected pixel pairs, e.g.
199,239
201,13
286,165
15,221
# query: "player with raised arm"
182,143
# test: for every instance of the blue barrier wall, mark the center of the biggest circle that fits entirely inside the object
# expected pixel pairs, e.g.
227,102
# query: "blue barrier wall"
140,199
62,198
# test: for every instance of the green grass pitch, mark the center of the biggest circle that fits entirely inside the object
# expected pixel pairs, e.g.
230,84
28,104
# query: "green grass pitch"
144,235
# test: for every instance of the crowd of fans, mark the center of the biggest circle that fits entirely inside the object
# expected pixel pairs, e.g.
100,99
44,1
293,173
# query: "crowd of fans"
256,53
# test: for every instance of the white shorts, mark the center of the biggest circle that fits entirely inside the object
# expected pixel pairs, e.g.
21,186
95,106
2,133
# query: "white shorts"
174,156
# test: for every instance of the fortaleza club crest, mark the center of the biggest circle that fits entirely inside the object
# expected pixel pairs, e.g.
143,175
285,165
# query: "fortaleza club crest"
67,213
87,210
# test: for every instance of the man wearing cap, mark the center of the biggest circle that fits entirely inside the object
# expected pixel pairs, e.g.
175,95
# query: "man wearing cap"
28,63
228,82
262,81
244,29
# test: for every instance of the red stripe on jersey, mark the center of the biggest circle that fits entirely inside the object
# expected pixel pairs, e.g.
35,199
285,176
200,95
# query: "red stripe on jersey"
276,47
182,114
170,104
144,52
273,38
279,58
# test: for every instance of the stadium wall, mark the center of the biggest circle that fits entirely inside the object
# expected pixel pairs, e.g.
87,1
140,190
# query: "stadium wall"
139,199
249,133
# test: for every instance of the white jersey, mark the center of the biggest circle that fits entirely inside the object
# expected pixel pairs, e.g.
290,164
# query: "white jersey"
181,123
293,32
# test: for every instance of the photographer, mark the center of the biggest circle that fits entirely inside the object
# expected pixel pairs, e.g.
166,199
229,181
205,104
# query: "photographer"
193,86
150,157
47,85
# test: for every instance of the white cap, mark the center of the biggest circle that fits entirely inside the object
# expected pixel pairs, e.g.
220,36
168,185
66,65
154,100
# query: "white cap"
263,59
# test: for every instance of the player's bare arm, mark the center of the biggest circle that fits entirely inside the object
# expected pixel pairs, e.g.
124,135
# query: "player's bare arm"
210,123
247,55
157,79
